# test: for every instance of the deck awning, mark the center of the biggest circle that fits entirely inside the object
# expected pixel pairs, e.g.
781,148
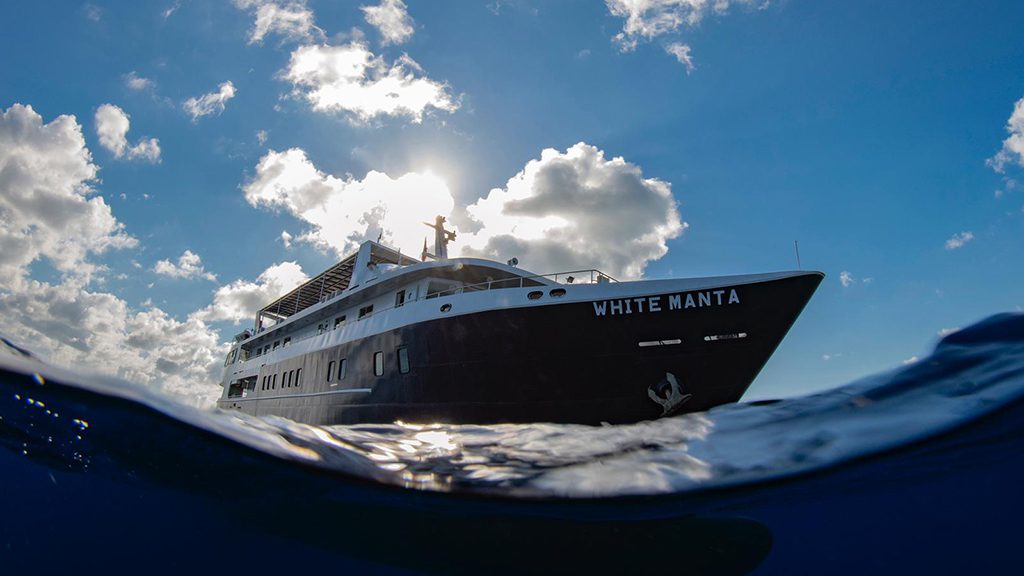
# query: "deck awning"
326,284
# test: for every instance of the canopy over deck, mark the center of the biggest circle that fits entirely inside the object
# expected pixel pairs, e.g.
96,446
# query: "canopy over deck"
333,280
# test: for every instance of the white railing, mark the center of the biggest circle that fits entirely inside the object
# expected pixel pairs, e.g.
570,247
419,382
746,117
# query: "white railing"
589,276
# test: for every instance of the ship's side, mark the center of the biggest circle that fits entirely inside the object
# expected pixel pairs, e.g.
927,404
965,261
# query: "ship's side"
586,353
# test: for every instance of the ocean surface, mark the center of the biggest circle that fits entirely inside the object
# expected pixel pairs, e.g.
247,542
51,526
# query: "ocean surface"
915,471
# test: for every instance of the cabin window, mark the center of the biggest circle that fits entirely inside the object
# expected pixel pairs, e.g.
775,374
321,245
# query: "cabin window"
378,363
339,321
287,340
298,377
341,369
557,293
403,360
291,374
365,310
330,370
320,328
535,295
277,344
273,382
399,298
259,351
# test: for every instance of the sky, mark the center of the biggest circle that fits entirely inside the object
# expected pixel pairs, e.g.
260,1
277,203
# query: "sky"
166,168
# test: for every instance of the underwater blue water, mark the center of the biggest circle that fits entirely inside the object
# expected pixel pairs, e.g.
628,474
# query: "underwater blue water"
914,471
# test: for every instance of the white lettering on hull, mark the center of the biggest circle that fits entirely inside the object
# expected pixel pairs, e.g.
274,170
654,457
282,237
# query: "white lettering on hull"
653,304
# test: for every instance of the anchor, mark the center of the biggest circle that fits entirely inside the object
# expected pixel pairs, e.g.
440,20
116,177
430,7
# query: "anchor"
668,394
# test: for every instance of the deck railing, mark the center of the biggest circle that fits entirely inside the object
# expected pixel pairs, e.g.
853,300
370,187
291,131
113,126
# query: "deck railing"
588,276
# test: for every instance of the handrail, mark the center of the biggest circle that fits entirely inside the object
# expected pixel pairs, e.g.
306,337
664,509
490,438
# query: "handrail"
595,276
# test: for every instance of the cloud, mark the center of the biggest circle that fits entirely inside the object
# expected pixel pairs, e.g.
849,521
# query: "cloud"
1013,147
92,12
647,19
212,103
350,79
47,207
958,240
189,265
942,333
170,10
73,326
135,82
392,20
911,360
564,211
344,212
112,128
682,53
292,20
845,278
261,137
575,210
239,300
286,239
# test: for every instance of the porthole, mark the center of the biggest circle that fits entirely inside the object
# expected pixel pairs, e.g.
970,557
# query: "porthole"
446,307
557,293
535,295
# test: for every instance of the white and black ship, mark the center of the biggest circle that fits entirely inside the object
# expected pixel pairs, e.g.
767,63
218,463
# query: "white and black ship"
381,337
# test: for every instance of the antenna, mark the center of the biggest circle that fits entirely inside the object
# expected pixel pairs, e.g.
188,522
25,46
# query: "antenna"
796,246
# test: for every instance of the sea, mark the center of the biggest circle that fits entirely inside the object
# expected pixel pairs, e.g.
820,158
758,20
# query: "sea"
914,471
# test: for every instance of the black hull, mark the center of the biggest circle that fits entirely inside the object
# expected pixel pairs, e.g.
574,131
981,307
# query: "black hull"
555,363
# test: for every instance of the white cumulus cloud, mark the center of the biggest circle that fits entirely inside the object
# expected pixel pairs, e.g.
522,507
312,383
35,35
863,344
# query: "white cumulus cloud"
1013,147
392,19
291,20
238,301
845,278
958,240
212,103
189,265
648,19
69,325
344,212
135,82
577,209
48,209
351,79
570,210
112,126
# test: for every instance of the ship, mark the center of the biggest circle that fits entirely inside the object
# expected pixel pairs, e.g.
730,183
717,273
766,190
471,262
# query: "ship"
384,337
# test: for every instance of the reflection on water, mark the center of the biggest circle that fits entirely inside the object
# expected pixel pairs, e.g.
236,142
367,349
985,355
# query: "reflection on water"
764,487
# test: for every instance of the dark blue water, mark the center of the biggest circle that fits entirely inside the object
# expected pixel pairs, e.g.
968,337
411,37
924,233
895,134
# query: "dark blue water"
913,471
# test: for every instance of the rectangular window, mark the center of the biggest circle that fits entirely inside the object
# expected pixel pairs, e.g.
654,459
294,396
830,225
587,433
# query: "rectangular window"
365,310
330,370
288,379
298,377
403,360
320,328
277,344
339,321
399,298
341,369
287,340
273,382
378,363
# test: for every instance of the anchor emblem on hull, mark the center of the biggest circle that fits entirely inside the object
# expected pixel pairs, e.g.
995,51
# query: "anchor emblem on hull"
668,394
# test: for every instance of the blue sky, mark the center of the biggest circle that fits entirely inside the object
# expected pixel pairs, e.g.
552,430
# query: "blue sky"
885,137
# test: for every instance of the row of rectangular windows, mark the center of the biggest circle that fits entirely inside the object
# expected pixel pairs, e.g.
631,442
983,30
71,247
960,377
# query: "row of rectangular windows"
325,326
378,365
294,377
288,379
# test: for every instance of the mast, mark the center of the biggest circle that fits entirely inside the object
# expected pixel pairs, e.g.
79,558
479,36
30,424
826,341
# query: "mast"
441,239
